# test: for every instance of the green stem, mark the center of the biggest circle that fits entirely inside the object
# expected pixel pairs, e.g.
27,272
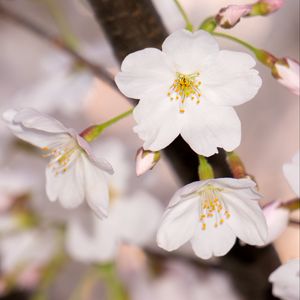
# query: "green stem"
67,34
205,170
94,131
209,24
233,38
263,56
188,23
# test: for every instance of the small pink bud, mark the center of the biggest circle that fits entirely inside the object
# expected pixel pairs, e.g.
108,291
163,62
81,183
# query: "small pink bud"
29,278
265,7
146,160
229,16
286,71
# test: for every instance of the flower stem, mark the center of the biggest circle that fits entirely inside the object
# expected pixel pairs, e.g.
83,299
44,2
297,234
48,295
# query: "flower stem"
209,24
263,56
188,23
205,170
92,132
66,33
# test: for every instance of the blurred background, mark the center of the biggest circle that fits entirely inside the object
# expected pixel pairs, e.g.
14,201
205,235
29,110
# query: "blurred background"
33,73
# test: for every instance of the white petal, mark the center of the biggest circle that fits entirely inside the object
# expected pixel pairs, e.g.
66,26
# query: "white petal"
178,225
143,72
68,187
291,173
285,279
39,138
190,51
229,80
96,189
212,241
208,127
159,128
98,245
130,213
247,220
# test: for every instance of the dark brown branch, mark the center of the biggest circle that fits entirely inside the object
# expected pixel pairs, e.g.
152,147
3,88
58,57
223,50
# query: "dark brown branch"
58,43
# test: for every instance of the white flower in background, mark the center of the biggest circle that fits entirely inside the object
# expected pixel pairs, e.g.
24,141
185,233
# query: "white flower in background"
28,249
189,88
211,214
291,173
133,220
286,281
74,173
277,218
229,16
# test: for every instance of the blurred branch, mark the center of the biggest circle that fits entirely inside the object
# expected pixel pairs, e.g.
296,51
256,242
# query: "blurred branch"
58,43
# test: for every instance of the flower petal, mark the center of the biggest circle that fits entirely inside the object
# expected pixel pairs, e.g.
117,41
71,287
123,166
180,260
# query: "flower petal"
143,72
212,241
159,128
247,220
67,186
190,50
178,225
229,80
129,214
291,173
208,127
96,188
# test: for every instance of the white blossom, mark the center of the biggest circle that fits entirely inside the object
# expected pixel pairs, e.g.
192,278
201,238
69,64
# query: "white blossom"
211,214
286,281
126,224
74,173
189,88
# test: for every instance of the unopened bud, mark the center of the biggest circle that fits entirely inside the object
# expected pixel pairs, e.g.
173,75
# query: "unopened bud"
265,7
205,170
286,71
146,160
236,166
229,16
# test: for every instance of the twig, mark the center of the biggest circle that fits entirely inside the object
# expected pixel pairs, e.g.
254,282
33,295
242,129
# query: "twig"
58,43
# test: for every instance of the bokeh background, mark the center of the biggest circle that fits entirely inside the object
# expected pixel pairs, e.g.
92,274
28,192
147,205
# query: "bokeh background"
270,122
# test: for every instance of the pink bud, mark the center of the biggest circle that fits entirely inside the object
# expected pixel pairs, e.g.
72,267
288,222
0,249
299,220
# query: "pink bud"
271,5
145,160
29,278
286,71
229,16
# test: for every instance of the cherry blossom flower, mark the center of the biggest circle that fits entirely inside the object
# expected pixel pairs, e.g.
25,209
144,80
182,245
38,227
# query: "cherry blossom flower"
74,173
286,280
189,88
102,242
229,16
291,172
211,214
145,161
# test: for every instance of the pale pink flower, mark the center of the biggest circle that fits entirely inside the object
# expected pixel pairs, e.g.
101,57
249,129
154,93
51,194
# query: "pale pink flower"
229,16
146,160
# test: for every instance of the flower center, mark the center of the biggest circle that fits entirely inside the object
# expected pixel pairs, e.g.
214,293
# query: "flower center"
213,208
185,87
62,156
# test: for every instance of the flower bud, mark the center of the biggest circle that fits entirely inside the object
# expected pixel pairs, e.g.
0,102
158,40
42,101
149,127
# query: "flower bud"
286,71
229,16
146,160
236,166
265,7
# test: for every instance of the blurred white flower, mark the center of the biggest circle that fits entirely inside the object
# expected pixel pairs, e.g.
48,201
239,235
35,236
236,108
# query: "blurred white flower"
26,249
286,281
13,184
123,226
291,173
277,219
74,173
229,16
189,88
211,214
145,161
